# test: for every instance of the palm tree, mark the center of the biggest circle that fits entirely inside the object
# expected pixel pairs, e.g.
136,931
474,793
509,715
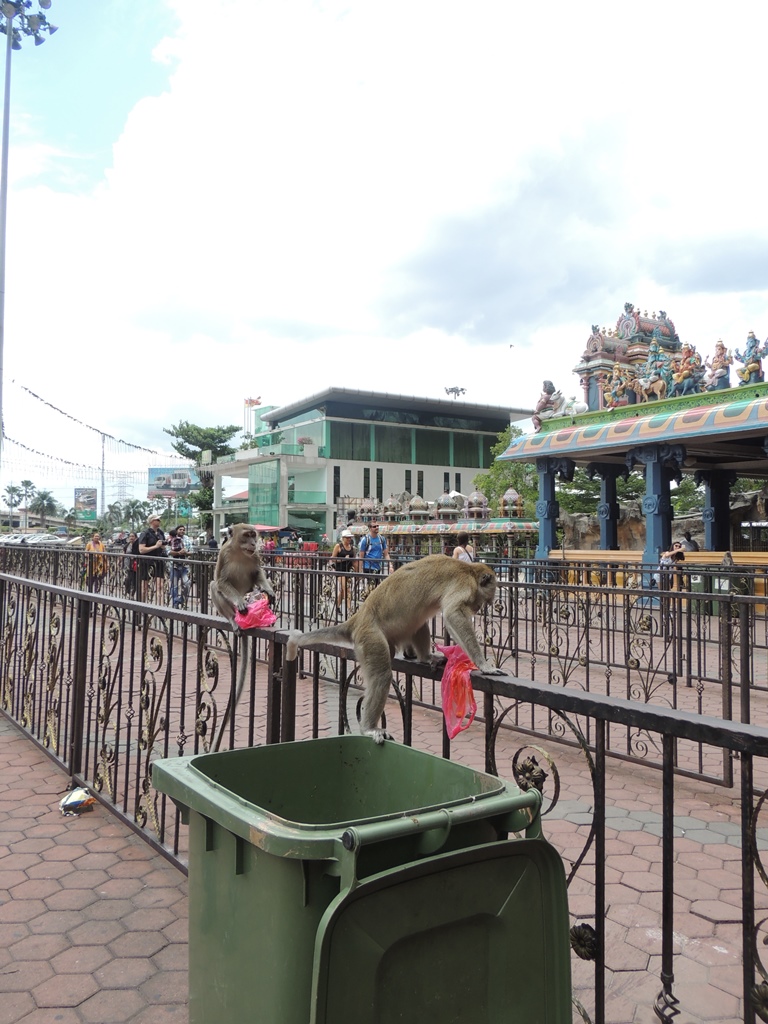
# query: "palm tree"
134,513
115,514
27,489
11,497
43,504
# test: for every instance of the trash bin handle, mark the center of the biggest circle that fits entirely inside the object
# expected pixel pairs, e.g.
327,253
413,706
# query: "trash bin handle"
525,806
441,819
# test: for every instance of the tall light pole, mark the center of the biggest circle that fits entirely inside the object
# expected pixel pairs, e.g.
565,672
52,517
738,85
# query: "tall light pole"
18,22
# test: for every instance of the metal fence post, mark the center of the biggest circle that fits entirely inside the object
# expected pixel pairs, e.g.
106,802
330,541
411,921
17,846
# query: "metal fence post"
287,670
726,674
82,619
274,689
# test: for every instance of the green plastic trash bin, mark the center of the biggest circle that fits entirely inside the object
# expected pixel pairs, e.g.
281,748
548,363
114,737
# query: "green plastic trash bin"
701,583
335,879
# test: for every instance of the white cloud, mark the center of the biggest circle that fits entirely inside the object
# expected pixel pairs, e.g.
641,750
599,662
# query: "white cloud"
305,156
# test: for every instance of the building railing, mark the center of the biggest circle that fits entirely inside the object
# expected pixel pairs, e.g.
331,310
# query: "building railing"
306,497
106,686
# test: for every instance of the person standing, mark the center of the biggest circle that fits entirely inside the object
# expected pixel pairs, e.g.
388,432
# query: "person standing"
374,551
344,557
178,550
96,562
152,542
131,564
464,551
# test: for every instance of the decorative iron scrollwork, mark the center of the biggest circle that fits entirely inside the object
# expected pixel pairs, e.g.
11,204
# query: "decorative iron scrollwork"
584,941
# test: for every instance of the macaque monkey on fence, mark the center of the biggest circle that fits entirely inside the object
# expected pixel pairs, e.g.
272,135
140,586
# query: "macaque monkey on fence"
395,616
237,574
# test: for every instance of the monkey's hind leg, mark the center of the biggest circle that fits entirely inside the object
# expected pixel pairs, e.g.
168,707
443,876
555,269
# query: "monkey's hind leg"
419,646
375,661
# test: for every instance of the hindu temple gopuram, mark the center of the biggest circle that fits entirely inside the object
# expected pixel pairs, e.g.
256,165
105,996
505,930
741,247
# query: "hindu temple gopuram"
653,402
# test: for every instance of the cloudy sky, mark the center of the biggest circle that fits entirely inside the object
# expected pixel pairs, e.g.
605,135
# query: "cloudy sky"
231,198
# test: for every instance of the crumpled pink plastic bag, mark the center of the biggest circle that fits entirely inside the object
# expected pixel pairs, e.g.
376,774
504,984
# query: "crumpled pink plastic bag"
258,615
459,704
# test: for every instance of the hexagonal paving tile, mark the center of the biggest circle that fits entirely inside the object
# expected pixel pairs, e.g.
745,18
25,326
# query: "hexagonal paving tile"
126,972
65,990
112,1006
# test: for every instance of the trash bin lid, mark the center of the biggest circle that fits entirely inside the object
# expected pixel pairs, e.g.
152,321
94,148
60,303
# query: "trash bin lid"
478,935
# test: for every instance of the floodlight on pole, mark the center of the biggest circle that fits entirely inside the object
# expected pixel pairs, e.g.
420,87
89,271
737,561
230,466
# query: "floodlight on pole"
16,22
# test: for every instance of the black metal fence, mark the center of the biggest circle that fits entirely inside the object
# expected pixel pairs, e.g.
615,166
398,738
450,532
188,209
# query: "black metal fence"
603,684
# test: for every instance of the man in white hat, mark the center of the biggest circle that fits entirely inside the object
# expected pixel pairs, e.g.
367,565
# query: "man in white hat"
152,542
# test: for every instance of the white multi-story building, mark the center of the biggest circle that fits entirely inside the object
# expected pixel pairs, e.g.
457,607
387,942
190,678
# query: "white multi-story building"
317,456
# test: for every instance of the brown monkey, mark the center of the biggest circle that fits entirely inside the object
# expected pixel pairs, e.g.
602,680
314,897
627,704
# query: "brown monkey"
395,615
238,572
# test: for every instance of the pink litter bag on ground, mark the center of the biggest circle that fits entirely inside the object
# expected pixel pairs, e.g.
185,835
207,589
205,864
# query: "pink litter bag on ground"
459,704
258,615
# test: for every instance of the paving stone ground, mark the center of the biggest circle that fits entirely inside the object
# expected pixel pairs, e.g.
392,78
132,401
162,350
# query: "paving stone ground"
93,921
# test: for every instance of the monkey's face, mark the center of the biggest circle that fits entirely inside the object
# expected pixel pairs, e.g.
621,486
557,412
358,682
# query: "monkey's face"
248,538
486,585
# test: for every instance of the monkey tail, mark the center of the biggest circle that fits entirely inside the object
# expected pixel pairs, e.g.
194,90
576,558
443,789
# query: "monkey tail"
297,639
234,700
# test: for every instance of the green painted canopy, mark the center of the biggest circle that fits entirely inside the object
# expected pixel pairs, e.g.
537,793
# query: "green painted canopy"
725,434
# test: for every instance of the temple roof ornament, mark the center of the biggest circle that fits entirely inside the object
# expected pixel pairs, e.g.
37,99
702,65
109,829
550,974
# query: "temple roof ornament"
392,508
634,326
368,509
418,508
476,506
446,507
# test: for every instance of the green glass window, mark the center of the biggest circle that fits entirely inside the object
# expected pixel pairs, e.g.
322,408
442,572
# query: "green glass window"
487,442
432,448
466,450
393,444
264,492
350,441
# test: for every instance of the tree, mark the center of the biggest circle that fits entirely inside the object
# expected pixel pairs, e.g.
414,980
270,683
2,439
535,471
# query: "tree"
27,491
687,497
11,498
115,514
43,504
583,494
191,441
135,512
503,475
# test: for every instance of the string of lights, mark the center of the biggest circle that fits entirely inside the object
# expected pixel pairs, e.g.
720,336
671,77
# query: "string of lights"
88,426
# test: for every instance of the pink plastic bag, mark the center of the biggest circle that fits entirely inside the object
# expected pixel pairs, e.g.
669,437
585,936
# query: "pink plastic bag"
459,704
258,615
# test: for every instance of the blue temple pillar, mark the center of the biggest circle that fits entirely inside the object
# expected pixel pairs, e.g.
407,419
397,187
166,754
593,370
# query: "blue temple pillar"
547,507
716,513
662,464
608,510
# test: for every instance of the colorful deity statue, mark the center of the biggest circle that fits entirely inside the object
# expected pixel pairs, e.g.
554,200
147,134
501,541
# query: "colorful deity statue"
615,387
688,373
655,363
553,403
752,372
718,376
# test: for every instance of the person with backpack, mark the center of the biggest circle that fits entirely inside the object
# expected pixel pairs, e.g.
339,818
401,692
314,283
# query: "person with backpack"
374,551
